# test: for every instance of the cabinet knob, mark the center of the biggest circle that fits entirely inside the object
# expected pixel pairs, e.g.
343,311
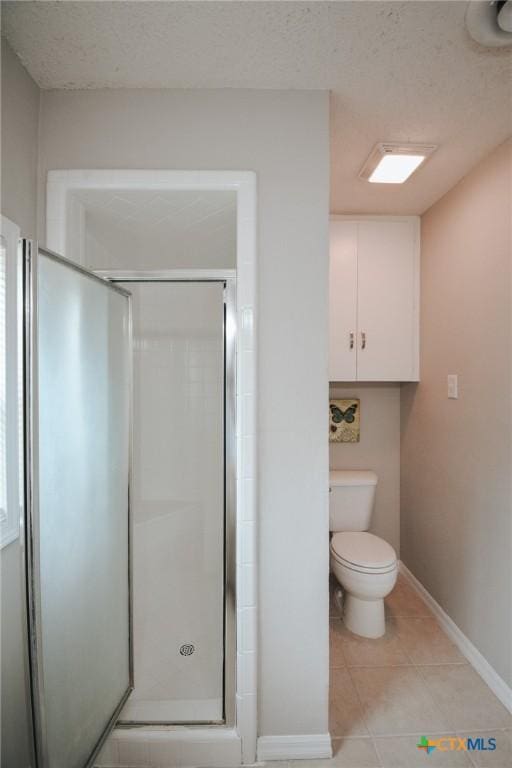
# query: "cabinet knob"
351,339
363,340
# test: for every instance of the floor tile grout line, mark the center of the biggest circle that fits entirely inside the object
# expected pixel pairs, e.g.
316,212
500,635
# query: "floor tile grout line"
402,647
466,730
360,705
431,695
448,664
403,664
379,756
344,654
441,664
435,663
376,666
410,734
360,738
463,731
408,656
363,708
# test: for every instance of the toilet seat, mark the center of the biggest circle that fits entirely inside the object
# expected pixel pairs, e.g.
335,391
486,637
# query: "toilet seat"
363,552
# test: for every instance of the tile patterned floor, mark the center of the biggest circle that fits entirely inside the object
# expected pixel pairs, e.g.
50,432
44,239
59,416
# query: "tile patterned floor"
385,694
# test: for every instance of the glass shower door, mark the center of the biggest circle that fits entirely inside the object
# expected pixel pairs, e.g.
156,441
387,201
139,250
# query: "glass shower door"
77,390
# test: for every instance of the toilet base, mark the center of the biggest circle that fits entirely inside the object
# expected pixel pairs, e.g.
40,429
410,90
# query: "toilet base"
364,617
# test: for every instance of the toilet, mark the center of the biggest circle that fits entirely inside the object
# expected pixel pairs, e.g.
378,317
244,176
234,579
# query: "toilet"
365,565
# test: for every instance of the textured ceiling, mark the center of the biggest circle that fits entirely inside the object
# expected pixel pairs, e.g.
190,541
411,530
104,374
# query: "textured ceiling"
398,71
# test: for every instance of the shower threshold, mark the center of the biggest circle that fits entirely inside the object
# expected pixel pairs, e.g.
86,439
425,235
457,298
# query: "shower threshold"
173,712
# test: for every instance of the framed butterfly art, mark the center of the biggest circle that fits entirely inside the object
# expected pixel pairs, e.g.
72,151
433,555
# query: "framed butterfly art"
344,421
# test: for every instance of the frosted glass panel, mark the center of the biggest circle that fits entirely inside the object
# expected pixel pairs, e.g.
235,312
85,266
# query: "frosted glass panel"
178,502
82,484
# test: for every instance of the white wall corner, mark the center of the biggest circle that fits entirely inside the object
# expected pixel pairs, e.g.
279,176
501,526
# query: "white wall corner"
479,663
304,747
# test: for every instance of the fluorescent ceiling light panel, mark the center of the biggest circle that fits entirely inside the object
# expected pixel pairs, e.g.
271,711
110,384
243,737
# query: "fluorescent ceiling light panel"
395,169
394,163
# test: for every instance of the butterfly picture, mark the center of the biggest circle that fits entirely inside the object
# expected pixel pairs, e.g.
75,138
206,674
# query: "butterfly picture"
337,415
344,421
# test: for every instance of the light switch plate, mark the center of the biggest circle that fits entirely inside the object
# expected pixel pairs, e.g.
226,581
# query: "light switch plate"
453,386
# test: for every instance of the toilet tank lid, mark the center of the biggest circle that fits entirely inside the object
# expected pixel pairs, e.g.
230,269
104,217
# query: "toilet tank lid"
344,477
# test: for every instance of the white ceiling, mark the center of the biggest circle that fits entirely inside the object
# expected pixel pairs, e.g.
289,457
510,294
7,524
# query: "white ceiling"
141,229
398,71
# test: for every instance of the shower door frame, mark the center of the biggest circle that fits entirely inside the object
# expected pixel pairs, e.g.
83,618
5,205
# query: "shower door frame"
64,230
228,278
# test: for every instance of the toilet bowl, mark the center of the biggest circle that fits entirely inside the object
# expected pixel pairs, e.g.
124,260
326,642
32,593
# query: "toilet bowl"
365,565
366,568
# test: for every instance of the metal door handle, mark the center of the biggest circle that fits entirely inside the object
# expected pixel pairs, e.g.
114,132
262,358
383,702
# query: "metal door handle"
363,340
351,340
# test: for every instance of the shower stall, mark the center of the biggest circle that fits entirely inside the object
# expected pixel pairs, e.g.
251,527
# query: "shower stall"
140,547
139,426
182,498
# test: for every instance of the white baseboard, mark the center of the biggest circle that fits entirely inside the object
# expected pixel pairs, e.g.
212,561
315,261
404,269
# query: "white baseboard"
307,747
497,685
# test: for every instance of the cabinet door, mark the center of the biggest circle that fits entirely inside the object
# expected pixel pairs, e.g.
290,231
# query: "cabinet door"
387,301
343,301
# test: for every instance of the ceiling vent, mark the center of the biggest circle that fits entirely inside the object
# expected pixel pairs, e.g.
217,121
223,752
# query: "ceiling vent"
490,23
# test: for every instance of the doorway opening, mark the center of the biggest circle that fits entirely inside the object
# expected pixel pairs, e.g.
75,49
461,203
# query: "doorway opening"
184,199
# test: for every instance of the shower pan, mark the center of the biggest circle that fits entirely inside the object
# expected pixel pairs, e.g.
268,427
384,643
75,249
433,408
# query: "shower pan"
130,502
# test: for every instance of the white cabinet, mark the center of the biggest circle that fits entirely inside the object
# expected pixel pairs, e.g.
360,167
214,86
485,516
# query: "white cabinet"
343,302
374,299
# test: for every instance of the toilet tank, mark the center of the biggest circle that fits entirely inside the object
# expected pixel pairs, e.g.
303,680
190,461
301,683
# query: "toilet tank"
351,498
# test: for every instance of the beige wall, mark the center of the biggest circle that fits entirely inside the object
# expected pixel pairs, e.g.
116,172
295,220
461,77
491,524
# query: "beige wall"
456,454
378,449
20,110
20,116
284,137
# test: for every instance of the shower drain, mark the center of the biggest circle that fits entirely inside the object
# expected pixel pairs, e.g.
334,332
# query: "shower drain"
187,649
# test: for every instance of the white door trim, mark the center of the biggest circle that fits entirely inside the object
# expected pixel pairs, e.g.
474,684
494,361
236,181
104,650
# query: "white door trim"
61,211
12,512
